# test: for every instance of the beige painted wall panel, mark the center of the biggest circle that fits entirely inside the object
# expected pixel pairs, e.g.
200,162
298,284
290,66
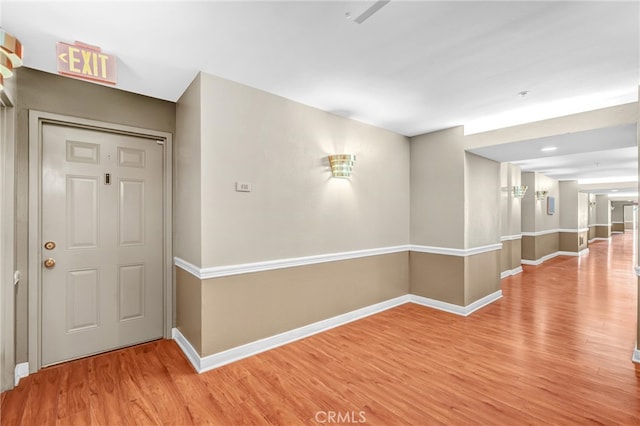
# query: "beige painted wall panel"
617,227
527,204
583,240
603,210
592,232
61,95
592,209
604,231
187,239
515,205
569,241
528,247
482,276
482,201
617,214
505,256
568,204
505,199
544,221
244,308
547,244
189,307
437,189
516,254
583,210
295,208
438,277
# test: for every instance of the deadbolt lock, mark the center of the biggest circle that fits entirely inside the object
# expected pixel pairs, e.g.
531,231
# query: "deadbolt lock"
49,245
49,263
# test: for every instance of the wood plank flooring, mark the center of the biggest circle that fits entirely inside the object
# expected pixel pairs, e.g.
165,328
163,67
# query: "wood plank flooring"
556,349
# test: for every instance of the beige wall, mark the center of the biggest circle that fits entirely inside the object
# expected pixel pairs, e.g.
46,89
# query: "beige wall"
438,277
437,189
296,208
603,210
51,93
244,308
567,203
583,210
510,217
187,211
482,275
482,201
534,212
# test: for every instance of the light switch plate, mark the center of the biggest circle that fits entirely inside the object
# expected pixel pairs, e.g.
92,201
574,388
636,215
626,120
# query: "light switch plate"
243,187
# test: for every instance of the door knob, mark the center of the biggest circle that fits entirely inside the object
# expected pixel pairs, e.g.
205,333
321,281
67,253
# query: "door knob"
49,245
49,263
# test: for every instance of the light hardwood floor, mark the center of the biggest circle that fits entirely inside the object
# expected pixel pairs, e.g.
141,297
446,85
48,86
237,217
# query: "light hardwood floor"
556,349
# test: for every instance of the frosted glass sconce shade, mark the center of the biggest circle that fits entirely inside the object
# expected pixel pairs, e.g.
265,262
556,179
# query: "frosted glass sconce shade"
541,194
519,191
342,165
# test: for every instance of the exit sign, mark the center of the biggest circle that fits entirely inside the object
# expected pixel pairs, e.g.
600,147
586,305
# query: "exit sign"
86,62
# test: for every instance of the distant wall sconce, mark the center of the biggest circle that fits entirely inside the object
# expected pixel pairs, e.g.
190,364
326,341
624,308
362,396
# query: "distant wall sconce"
342,165
541,194
519,191
10,55
592,204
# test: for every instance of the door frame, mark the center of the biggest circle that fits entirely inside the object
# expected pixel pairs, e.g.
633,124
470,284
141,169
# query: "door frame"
36,120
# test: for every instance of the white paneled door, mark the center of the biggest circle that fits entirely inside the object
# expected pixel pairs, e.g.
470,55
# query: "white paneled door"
102,241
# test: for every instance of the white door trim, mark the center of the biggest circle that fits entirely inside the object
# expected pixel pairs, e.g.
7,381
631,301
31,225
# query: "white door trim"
36,119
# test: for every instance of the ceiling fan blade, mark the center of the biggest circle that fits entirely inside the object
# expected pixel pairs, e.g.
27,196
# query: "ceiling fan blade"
372,9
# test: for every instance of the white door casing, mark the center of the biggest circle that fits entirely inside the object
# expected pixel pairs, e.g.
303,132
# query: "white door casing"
104,199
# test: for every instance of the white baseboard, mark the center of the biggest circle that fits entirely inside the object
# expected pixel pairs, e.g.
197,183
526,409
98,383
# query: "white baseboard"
456,309
552,255
510,272
602,239
21,371
235,354
210,362
636,355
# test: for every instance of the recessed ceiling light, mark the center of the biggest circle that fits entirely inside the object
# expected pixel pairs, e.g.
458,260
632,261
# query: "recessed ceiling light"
549,148
614,190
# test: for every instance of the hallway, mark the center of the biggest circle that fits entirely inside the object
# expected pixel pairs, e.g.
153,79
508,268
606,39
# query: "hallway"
555,349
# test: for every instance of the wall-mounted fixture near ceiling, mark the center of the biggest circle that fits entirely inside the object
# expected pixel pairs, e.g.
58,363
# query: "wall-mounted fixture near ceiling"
519,191
541,194
592,204
10,55
342,165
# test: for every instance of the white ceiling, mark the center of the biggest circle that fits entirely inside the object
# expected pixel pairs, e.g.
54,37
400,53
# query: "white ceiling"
412,67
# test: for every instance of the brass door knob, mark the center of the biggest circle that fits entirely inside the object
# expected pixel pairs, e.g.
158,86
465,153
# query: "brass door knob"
49,245
49,263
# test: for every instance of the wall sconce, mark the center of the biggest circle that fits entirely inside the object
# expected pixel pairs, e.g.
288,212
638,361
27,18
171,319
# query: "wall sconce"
342,165
519,191
592,204
541,194
10,55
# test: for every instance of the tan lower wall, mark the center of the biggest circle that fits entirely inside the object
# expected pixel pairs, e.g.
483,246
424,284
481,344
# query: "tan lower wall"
482,276
573,241
437,276
189,307
516,254
244,308
536,247
604,231
505,256
592,232
510,255
618,227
